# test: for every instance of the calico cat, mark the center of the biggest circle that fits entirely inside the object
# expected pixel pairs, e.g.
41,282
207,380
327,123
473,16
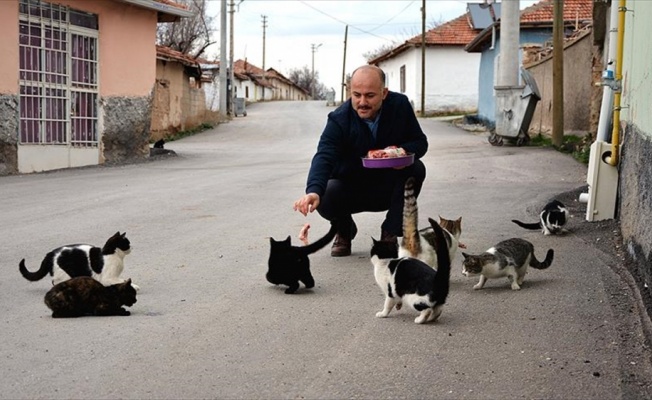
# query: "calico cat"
84,295
420,244
412,281
509,258
551,220
105,264
288,265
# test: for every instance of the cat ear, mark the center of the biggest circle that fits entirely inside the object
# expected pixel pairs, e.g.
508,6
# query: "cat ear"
465,255
123,234
128,281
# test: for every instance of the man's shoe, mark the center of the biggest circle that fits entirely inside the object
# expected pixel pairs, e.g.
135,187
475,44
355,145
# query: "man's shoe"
342,243
341,247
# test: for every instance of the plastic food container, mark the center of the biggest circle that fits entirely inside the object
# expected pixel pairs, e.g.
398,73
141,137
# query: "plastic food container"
390,162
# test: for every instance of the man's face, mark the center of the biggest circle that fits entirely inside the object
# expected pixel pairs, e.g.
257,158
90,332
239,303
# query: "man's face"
367,93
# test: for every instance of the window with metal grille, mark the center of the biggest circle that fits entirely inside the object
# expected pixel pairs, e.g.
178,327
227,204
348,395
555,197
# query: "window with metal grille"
58,75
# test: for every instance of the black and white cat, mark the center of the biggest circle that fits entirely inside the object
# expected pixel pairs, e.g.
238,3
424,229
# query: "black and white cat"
103,264
412,281
288,265
507,259
420,244
551,220
83,295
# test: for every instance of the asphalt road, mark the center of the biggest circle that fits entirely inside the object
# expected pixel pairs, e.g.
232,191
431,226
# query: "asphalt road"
208,325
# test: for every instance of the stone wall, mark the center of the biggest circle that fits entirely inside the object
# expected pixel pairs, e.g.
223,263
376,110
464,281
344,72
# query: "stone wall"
635,208
8,134
126,125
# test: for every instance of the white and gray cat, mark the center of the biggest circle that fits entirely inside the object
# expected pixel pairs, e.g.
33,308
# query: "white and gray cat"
420,244
412,281
507,259
552,219
103,264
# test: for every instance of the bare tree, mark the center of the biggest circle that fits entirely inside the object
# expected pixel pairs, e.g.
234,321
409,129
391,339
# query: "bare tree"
302,77
379,51
190,36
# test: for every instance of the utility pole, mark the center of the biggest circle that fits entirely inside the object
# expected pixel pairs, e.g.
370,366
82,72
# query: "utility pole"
223,79
423,58
264,27
232,93
558,73
508,63
346,34
231,83
314,48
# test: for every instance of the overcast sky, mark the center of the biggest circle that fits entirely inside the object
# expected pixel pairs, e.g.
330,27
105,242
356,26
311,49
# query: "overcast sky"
293,26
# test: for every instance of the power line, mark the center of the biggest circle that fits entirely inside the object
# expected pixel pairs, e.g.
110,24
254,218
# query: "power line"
368,32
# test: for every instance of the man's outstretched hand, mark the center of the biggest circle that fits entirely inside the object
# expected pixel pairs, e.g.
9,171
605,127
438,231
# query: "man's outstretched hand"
307,203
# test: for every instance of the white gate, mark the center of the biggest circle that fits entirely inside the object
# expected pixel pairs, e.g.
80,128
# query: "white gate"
58,78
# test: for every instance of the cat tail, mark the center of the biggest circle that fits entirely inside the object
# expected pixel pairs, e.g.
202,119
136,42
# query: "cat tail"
442,279
534,263
321,242
46,268
411,240
532,226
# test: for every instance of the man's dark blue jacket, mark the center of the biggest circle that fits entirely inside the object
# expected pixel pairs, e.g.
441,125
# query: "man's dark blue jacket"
347,138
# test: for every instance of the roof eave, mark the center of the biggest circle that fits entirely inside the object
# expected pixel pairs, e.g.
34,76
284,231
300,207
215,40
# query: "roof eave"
166,12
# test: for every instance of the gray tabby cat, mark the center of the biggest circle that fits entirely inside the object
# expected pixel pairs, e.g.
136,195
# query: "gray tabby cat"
420,244
508,259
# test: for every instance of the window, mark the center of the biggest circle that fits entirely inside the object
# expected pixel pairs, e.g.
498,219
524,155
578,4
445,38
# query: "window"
58,75
402,79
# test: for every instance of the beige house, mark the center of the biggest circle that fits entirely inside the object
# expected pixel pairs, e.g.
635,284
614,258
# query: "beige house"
76,81
184,94
254,84
285,89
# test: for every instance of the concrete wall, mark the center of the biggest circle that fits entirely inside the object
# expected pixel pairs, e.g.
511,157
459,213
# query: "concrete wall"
178,104
635,191
579,90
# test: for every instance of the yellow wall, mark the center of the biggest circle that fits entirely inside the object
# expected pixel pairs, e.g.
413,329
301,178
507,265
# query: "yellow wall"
127,46
9,47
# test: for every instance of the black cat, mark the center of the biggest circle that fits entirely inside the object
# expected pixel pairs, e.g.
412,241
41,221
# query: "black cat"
289,265
84,295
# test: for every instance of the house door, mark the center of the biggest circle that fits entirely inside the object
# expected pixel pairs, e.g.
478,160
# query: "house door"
58,87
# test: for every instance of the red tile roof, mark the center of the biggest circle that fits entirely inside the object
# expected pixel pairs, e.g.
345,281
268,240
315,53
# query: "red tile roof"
541,15
244,69
173,4
456,32
581,10
166,53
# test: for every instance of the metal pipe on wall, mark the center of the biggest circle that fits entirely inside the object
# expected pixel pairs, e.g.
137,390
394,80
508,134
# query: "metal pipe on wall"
615,134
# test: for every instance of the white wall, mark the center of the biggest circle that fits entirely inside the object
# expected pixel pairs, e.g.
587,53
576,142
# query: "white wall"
451,78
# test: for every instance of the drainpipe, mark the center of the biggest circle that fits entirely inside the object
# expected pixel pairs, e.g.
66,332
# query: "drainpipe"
615,134
608,78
